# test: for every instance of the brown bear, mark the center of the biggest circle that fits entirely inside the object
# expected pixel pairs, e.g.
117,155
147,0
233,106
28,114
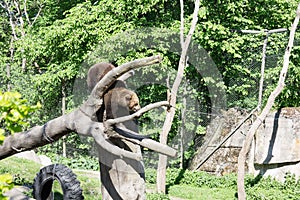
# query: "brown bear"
118,100
97,72
121,102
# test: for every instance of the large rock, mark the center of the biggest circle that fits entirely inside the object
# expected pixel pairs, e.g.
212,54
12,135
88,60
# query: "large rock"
278,141
277,145
31,155
223,160
18,193
275,150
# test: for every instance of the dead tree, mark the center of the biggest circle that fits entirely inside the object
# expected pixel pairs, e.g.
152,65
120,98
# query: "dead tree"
120,157
185,42
280,85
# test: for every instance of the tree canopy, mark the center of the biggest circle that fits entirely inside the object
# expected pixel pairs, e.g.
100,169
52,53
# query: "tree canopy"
47,45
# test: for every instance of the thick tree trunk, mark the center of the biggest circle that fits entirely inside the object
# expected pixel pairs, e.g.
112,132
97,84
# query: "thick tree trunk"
122,178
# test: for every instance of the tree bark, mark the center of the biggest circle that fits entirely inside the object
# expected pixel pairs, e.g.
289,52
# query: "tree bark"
121,178
162,163
249,137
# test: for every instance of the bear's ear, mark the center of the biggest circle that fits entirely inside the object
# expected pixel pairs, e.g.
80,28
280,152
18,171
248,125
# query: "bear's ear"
128,97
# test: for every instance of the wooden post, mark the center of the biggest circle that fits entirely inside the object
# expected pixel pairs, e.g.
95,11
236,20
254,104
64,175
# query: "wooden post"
63,112
182,128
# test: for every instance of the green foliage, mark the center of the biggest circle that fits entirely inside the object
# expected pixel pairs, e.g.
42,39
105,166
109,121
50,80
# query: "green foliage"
256,187
238,55
77,161
14,112
268,188
80,152
157,196
5,184
22,170
2,137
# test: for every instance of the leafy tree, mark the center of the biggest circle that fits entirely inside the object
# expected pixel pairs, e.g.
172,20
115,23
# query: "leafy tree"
14,112
65,34
233,52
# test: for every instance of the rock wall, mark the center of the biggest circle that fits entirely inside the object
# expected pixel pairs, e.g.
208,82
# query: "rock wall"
224,160
275,149
277,144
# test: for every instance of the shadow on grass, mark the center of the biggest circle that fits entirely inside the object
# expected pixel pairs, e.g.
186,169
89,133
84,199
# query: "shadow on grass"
177,180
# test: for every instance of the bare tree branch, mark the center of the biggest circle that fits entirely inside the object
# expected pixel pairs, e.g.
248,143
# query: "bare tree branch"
79,121
126,76
37,15
11,21
181,23
280,85
20,13
2,5
26,14
106,145
150,144
139,113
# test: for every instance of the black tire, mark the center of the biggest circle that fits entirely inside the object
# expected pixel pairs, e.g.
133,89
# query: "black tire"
42,186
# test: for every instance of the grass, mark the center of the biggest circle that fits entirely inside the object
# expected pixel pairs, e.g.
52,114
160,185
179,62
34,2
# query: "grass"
90,185
187,192
191,185
24,172
196,193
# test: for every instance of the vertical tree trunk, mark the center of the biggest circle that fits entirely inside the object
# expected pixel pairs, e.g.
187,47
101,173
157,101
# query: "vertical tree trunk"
8,77
8,65
162,163
262,72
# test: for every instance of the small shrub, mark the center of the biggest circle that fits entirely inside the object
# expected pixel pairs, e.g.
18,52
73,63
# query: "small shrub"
150,175
15,112
6,183
78,162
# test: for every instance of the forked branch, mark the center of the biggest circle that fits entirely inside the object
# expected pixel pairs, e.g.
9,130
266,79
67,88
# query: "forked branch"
79,121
